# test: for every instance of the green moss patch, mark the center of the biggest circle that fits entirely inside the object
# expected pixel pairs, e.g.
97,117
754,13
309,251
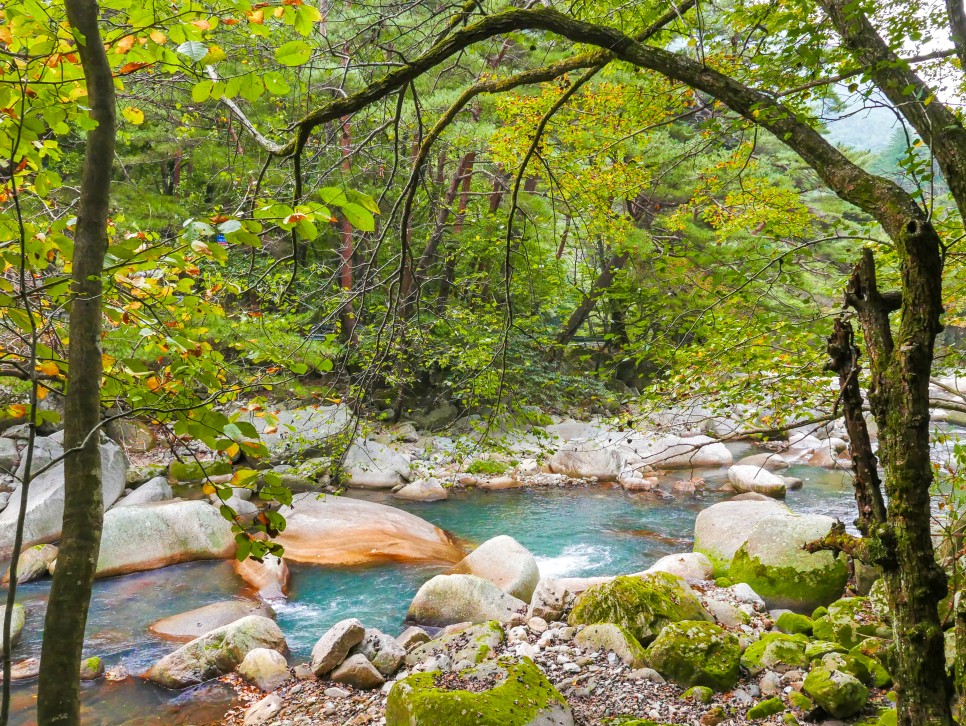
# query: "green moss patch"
695,653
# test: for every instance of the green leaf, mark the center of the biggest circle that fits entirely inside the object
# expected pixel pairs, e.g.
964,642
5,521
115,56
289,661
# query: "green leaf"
276,84
359,217
293,53
202,91
333,195
193,49
244,546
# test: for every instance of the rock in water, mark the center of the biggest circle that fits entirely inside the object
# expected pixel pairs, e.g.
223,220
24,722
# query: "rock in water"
722,528
195,623
264,668
357,672
449,599
343,531
383,651
149,536
155,490
514,694
269,577
91,668
371,465
33,564
17,619
586,460
696,654
504,562
773,562
642,605
45,504
332,648
422,490
746,479
217,653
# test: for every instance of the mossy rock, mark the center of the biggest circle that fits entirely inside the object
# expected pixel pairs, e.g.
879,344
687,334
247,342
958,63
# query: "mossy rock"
879,675
800,701
197,470
776,567
766,708
793,623
840,694
642,605
521,696
698,694
879,601
474,643
847,664
724,581
818,648
17,619
610,637
696,653
849,621
819,612
775,651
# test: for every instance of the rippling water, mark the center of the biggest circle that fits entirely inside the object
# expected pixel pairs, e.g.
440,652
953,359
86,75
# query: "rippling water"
572,532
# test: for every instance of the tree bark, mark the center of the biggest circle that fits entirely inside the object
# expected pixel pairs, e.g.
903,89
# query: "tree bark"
59,695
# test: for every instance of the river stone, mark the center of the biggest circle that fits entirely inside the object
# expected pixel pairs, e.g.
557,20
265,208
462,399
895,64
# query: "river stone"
269,578
216,653
338,530
17,620
841,694
383,651
412,637
756,479
792,623
689,566
45,504
195,623
643,605
332,648
265,668
693,653
358,672
668,451
422,490
473,643
371,465
587,460
726,613
24,670
263,711
148,536
448,599
9,456
849,622
610,637
722,528
155,490
520,696
33,564
504,562
779,652
774,564
91,668
46,449
550,599
769,460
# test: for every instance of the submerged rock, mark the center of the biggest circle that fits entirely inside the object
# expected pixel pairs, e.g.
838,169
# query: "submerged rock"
696,654
217,653
449,599
641,604
514,693
722,528
504,562
148,536
338,530
195,623
33,564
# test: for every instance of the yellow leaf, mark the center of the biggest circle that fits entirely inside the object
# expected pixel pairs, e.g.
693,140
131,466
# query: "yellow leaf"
158,37
232,450
207,489
134,115
48,368
17,410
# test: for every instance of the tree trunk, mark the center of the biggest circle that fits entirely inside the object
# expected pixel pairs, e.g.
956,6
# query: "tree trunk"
603,281
59,695
347,312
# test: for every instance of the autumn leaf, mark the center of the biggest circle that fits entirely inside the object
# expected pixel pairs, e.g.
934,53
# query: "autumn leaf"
130,68
124,44
17,410
48,368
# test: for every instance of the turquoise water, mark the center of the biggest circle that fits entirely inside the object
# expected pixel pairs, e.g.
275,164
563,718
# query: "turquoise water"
578,531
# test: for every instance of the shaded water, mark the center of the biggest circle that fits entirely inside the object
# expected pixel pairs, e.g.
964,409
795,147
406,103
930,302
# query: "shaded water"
579,531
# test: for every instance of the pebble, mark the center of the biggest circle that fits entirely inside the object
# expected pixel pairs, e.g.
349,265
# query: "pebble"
537,625
336,692
571,667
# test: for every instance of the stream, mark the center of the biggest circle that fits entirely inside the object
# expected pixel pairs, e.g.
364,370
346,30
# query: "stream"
574,531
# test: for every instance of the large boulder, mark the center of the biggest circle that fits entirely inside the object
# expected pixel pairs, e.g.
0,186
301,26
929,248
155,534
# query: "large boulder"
773,562
642,605
269,578
155,490
689,566
45,502
777,652
849,622
343,531
449,599
195,623
588,460
692,653
9,456
33,564
149,536
422,490
839,693
505,693
371,465
504,562
722,528
746,479
667,451
216,653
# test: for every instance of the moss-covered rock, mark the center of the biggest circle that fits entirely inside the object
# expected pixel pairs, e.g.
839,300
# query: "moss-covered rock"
698,694
794,623
773,562
641,604
878,600
838,693
775,651
474,644
17,619
847,664
849,621
876,655
91,668
610,637
800,701
818,648
188,471
722,528
696,653
520,696
766,708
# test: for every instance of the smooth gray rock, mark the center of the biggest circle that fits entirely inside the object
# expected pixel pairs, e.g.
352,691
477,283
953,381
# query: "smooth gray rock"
155,490
504,562
358,672
383,651
265,668
448,599
332,648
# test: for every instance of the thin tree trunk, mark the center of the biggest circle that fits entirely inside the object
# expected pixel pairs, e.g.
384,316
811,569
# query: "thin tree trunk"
347,312
70,593
603,281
